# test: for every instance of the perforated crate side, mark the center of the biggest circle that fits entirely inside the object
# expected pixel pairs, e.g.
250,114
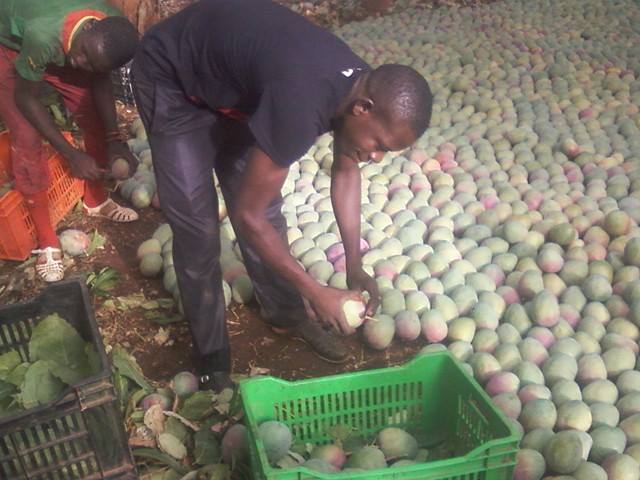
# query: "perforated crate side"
64,191
18,232
80,435
431,397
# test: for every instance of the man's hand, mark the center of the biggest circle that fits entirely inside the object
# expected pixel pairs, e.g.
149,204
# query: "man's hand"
326,306
360,280
120,149
83,165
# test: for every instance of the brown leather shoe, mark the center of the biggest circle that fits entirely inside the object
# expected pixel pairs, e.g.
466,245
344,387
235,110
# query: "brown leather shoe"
326,345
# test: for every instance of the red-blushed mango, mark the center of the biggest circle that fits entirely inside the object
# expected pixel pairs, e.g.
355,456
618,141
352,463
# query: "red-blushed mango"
530,465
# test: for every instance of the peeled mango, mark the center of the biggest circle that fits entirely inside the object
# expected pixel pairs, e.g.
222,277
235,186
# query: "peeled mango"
354,312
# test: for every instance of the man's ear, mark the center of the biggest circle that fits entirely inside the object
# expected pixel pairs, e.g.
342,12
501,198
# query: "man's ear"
362,106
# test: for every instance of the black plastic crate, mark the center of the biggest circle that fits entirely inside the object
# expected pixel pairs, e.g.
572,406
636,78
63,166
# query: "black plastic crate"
81,434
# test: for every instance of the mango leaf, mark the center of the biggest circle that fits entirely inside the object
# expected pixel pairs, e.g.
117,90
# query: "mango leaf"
16,377
199,405
97,241
94,359
7,391
8,362
134,399
40,385
176,428
153,454
207,448
127,366
172,446
162,319
218,471
59,344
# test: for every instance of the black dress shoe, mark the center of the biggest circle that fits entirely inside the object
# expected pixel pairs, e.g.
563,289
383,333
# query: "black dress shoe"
216,381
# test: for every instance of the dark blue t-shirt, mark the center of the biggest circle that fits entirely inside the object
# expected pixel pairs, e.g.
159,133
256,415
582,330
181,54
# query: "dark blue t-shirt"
255,56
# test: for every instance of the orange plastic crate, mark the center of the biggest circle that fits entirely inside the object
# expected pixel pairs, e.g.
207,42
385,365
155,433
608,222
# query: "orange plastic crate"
18,236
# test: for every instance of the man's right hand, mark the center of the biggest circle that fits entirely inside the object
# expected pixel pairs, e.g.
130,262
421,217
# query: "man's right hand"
83,165
327,306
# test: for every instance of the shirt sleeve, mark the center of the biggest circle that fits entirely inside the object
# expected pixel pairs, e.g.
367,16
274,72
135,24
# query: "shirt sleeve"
38,50
286,122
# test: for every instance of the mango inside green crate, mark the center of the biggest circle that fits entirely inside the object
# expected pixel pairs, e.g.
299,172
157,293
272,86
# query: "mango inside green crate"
431,397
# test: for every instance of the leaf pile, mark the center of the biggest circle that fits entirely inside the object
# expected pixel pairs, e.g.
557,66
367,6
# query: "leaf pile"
56,356
180,437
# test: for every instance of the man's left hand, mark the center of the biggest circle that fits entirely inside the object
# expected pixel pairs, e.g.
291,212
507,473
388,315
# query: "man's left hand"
118,149
358,279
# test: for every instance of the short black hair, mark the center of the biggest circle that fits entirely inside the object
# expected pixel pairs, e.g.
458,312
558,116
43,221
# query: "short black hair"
119,37
402,94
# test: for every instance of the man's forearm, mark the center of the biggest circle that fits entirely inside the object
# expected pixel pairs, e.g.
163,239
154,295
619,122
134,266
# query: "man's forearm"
345,198
105,104
38,116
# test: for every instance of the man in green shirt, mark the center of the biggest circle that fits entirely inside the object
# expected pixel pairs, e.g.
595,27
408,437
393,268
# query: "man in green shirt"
72,45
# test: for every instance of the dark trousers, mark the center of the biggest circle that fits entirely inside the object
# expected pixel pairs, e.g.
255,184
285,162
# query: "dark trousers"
188,143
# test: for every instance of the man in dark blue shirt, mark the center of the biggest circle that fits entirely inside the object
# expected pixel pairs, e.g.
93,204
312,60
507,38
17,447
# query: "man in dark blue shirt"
244,87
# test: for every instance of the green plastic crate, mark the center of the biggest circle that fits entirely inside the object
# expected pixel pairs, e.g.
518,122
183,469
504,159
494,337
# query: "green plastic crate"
431,396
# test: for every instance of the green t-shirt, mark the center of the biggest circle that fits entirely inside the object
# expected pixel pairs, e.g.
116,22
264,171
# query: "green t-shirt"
42,30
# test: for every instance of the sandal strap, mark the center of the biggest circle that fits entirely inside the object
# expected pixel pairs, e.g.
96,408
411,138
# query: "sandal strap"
122,214
96,210
52,270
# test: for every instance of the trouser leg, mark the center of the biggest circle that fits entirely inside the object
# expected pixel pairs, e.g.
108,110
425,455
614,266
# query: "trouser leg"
282,304
183,166
75,88
29,163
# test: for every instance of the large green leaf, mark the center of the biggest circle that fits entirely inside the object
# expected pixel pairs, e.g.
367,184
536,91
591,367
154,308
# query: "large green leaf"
8,361
155,455
207,448
199,405
16,377
59,344
40,385
93,358
6,393
127,366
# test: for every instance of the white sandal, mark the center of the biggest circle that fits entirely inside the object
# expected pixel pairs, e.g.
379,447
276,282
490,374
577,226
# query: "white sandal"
52,270
118,214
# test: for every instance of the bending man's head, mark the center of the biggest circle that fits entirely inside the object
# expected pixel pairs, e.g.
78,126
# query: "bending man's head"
389,108
104,45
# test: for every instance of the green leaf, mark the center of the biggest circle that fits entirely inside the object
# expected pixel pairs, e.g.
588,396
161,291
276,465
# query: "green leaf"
171,445
127,366
93,358
161,319
16,377
7,391
198,406
207,448
8,362
100,283
134,399
59,344
152,454
97,241
176,428
121,384
218,471
40,386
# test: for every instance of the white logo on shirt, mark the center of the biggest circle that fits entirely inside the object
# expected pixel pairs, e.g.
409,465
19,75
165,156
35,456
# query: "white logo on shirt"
348,72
